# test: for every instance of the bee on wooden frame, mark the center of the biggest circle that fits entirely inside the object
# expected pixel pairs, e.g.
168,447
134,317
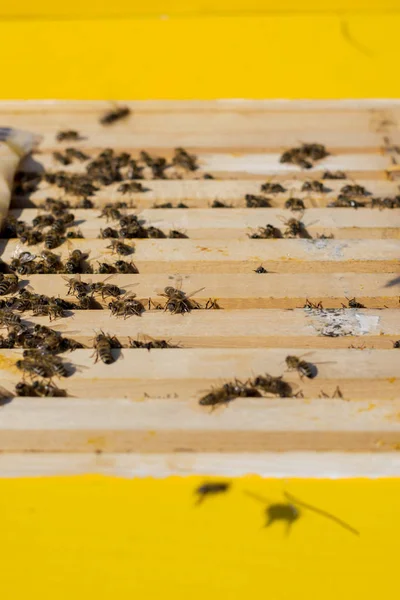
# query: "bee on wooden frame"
150,343
121,248
115,115
68,135
295,228
304,368
103,344
126,306
177,300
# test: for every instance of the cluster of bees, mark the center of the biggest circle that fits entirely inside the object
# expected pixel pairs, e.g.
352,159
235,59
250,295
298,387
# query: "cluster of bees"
305,155
130,226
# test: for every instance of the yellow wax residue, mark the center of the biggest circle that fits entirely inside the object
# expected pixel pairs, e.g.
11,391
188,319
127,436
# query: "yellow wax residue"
99,538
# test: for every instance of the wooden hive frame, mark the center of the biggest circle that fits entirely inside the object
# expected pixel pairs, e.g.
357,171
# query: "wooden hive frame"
140,415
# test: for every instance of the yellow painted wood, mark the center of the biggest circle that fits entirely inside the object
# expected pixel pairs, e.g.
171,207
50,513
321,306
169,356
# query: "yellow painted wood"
97,537
261,56
102,8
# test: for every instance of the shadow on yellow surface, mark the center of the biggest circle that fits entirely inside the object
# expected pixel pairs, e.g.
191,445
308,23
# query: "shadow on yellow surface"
99,537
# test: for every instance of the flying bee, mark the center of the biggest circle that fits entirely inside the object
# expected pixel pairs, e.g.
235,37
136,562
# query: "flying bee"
175,234
121,248
131,187
42,221
304,368
61,158
295,204
211,488
219,204
177,300
265,233
53,240
22,262
108,233
272,188
354,190
260,269
122,266
103,344
253,201
70,135
334,175
76,286
273,385
75,153
76,262
352,303
115,115
185,160
126,306
8,284
313,186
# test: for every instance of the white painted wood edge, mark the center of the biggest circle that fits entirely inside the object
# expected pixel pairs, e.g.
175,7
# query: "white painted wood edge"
332,465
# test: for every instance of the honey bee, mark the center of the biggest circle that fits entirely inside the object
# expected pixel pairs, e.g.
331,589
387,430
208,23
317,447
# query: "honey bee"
295,228
239,389
185,160
105,289
35,369
61,158
22,262
178,301
42,221
28,235
76,286
70,134
396,344
272,188
115,115
37,388
108,233
208,176
131,187
53,240
305,369
126,306
76,262
295,204
8,284
154,232
354,190
273,385
121,248
134,171
253,201
352,303
267,232
105,268
260,269
343,201
7,341
75,234
122,266
150,344
103,344
75,153
176,234
216,397
110,212
85,203
51,261
219,204
334,175
313,186
55,206
52,309
41,357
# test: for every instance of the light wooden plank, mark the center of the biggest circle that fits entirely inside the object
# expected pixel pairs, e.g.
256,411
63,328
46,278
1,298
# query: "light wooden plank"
279,465
238,328
200,193
242,256
169,426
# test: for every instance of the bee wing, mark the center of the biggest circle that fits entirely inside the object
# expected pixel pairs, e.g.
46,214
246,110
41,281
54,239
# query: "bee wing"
195,292
19,250
178,281
26,257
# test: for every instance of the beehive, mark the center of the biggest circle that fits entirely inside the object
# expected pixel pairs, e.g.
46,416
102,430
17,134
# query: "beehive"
140,415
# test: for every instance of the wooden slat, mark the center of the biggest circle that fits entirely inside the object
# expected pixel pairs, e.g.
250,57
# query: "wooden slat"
170,426
243,329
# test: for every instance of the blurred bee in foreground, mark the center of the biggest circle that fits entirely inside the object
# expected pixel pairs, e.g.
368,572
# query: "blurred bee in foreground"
117,114
211,488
